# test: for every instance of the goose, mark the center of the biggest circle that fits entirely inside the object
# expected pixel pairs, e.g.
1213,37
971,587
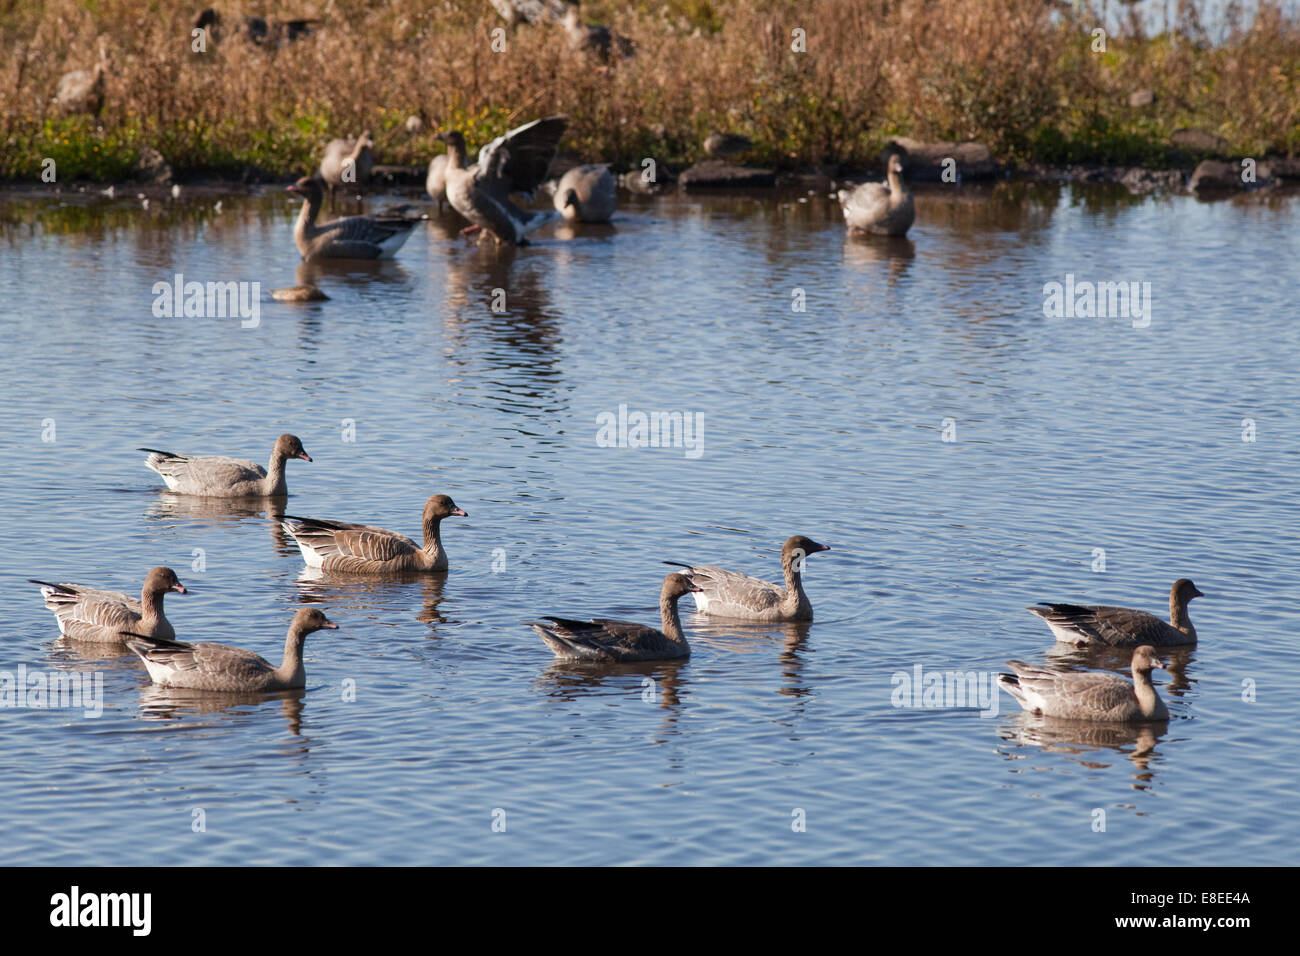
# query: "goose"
1121,626
215,476
601,639
435,183
364,549
515,162
256,30
347,157
884,208
82,91
720,145
219,667
529,11
1091,696
729,594
353,237
107,617
592,38
587,194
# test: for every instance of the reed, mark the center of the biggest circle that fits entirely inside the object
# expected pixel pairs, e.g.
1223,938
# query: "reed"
1019,75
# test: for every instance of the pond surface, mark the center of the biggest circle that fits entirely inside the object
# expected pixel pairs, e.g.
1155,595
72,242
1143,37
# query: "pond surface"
963,454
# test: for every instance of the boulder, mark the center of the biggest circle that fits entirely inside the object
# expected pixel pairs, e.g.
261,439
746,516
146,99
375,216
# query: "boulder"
1140,98
1210,174
1198,141
925,161
718,174
1139,181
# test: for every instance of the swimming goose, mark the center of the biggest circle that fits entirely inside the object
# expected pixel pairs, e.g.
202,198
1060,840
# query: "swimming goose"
884,208
725,593
515,162
587,194
220,667
1121,626
1093,696
364,549
216,476
353,237
601,639
342,155
592,38
107,617
435,183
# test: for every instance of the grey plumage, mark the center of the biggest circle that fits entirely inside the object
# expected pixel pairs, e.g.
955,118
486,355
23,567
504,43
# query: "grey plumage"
729,594
884,208
219,667
353,237
514,163
216,476
1121,626
603,639
107,617
1088,696
366,549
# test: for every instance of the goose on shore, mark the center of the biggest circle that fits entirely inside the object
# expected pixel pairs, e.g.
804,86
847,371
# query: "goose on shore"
883,208
587,194
347,162
1090,696
256,30
729,594
82,91
513,163
215,476
601,639
353,237
720,145
593,38
107,617
219,667
365,549
529,11
1120,626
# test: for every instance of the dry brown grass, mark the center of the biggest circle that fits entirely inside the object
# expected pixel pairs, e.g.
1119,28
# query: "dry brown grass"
1017,74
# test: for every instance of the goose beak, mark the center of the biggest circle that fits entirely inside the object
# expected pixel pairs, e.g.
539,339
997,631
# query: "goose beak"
1196,592
693,589
179,588
460,511
304,456
329,626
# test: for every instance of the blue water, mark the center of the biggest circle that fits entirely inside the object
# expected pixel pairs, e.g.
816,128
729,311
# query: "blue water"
767,745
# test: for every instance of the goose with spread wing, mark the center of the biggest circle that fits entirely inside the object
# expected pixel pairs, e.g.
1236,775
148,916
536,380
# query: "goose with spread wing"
514,163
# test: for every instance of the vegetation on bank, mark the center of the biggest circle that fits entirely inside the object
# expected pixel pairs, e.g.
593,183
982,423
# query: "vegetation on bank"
1023,76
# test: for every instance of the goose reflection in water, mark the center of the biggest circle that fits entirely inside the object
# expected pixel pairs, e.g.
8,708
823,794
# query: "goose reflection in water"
375,593
1087,743
158,702
224,512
